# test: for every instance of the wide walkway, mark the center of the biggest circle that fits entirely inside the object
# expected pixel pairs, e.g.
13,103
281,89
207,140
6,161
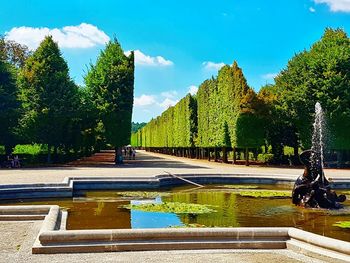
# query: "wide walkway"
146,164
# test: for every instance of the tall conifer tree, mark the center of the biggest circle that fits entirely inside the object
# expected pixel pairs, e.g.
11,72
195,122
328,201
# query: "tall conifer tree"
111,81
48,96
8,105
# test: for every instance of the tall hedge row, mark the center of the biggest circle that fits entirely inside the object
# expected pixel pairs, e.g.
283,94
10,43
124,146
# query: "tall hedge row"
176,127
215,117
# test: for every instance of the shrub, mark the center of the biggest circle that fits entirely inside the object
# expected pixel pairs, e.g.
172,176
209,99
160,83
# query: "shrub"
265,157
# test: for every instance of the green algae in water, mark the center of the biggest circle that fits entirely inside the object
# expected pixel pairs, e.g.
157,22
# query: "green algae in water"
265,194
342,224
172,207
140,194
231,186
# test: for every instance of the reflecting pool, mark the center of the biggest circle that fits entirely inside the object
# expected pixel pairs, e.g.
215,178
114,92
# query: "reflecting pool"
231,205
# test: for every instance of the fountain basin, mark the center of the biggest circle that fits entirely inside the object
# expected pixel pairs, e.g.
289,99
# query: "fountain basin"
54,238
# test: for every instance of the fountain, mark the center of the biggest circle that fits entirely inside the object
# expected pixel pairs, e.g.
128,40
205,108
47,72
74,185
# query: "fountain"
312,189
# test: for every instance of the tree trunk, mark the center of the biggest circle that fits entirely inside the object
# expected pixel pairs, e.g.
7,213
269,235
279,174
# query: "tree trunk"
8,150
224,154
118,159
246,157
49,153
296,155
234,156
55,153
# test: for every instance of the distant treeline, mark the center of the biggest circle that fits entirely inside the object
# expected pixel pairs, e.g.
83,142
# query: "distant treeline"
227,115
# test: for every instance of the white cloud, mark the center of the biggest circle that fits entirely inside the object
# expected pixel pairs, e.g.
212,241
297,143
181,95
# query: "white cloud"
269,76
212,65
81,36
192,89
336,5
168,103
169,94
146,60
144,100
312,10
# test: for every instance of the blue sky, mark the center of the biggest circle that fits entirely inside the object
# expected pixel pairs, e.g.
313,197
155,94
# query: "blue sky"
179,43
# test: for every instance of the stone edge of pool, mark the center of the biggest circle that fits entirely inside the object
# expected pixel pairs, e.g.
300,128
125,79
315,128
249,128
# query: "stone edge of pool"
54,238
73,185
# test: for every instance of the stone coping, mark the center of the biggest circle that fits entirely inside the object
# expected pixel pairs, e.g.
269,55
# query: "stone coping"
72,185
54,238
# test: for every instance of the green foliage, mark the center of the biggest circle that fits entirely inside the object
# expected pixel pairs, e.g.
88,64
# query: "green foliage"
48,96
32,149
111,83
172,207
13,52
135,126
8,104
203,106
321,74
225,112
265,157
176,127
219,105
250,130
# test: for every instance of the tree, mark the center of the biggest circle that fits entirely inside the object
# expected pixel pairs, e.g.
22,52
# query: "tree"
8,105
111,82
13,52
135,126
48,96
321,74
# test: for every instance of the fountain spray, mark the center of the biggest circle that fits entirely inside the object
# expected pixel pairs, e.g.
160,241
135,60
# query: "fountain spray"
318,143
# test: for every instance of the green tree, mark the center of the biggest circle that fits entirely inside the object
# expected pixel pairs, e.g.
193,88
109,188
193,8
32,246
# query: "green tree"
8,105
48,96
13,52
111,82
321,74
135,126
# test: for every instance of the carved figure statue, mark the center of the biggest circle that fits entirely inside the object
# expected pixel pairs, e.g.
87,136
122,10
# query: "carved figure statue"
312,188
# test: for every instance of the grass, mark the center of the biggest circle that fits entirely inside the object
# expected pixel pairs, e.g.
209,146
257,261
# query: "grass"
172,207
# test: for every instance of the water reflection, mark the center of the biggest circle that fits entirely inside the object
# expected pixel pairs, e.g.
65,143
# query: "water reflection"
105,210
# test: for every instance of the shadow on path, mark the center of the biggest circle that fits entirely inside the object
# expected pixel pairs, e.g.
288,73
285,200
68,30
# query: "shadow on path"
105,159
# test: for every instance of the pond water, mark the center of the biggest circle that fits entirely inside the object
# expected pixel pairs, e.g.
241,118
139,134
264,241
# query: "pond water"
232,208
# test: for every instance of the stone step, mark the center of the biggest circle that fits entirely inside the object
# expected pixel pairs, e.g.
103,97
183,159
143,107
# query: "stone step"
158,245
20,217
